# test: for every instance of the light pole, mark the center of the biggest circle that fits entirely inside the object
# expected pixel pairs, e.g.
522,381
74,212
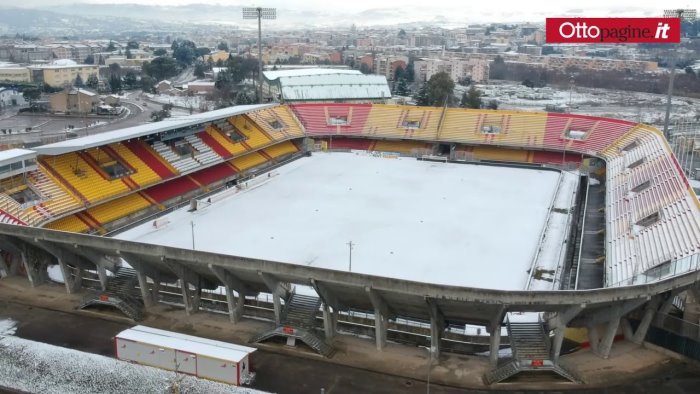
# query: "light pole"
192,224
350,246
259,13
680,14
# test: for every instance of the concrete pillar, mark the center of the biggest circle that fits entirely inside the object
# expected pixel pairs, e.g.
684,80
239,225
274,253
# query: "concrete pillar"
278,308
494,345
608,338
155,289
145,292
330,321
196,298
235,305
36,276
644,324
556,343
102,274
71,282
691,312
437,328
186,297
4,269
380,329
593,338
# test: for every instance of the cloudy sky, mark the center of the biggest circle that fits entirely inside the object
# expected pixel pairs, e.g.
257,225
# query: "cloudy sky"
364,12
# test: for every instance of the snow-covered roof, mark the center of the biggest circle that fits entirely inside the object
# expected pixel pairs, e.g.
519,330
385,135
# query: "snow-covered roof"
64,62
110,137
273,75
15,155
187,343
334,86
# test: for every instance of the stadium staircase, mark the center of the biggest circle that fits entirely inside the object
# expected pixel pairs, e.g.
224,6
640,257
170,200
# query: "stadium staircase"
205,154
530,345
299,322
181,163
121,293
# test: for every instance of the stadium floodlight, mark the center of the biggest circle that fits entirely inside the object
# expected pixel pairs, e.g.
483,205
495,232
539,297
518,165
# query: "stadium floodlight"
259,13
683,14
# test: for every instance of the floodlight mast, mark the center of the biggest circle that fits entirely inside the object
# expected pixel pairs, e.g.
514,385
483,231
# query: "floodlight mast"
682,14
259,13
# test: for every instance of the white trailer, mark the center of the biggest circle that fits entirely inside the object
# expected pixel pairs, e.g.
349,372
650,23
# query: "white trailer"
204,358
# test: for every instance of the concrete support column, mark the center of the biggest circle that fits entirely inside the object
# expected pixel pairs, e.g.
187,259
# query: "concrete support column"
102,274
277,303
36,276
626,329
556,343
593,338
186,297
380,329
155,289
437,328
330,322
608,338
196,298
71,282
644,324
494,345
231,283
4,269
146,293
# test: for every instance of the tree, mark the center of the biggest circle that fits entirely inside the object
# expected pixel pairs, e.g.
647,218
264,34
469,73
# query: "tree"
422,96
409,73
79,81
689,70
161,68
115,69
401,88
111,47
201,51
147,83
132,45
130,80
31,95
471,99
402,34
528,83
440,88
160,52
399,73
92,81
184,51
89,59
364,68
498,68
223,46
492,104
199,70
115,84
128,54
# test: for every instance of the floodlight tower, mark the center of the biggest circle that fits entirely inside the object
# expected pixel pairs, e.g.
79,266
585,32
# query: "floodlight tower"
682,14
259,13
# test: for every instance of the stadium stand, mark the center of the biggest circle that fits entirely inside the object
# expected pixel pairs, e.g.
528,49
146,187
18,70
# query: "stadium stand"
292,127
332,118
349,143
248,161
144,152
73,170
225,141
69,223
399,146
213,174
203,153
213,143
501,154
118,208
171,189
182,162
143,174
283,148
255,137
399,121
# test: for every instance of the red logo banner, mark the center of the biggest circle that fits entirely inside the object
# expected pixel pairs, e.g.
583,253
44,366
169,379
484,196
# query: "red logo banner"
613,30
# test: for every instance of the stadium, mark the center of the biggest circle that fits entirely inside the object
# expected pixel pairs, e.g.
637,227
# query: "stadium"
407,224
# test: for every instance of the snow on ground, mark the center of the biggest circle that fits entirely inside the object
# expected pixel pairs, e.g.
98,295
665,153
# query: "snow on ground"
551,256
7,327
444,223
36,367
55,273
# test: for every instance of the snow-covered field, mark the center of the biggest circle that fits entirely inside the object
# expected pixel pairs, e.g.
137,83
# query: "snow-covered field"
36,367
454,224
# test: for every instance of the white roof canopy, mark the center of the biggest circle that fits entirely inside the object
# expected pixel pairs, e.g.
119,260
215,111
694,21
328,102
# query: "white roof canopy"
302,72
15,155
111,137
334,87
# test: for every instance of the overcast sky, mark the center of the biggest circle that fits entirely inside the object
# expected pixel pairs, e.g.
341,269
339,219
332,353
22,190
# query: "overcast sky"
426,10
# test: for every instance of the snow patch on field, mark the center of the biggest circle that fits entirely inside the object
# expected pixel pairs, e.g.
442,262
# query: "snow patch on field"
55,273
41,368
7,327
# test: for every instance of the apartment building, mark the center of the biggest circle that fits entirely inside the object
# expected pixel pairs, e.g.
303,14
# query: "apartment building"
476,69
62,74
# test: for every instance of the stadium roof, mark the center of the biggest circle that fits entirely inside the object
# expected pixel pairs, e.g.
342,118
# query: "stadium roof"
334,87
14,155
110,137
276,74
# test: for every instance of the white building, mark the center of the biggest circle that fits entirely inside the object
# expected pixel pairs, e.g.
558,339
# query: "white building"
476,69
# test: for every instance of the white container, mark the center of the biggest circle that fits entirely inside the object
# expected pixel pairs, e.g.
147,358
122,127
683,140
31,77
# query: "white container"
204,358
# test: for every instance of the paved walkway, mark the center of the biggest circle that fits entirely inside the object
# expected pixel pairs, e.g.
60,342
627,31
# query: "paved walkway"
627,362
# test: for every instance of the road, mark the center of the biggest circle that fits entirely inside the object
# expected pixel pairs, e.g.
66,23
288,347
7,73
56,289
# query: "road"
286,374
